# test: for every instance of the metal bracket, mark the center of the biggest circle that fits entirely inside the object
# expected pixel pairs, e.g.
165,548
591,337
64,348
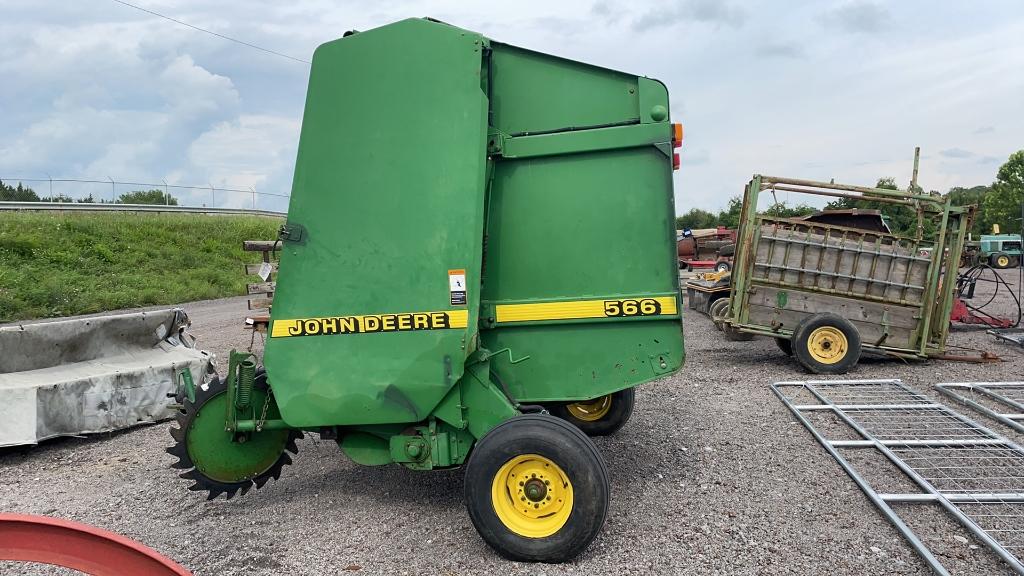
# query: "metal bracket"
886,322
185,381
495,141
292,232
486,355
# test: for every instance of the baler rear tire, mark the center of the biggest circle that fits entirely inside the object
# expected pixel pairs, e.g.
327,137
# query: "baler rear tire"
574,493
616,413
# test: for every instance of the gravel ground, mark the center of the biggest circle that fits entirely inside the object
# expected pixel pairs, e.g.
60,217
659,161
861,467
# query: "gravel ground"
712,475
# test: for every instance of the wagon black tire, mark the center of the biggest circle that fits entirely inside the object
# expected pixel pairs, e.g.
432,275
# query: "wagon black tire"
537,446
601,416
723,267
826,344
786,345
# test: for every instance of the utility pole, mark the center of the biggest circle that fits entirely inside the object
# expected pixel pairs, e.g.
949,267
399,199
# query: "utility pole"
913,179
113,192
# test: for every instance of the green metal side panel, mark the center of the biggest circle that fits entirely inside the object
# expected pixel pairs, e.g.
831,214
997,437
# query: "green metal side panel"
389,188
584,224
535,92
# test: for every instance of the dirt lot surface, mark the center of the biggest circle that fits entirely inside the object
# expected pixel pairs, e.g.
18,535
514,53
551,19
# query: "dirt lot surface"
712,475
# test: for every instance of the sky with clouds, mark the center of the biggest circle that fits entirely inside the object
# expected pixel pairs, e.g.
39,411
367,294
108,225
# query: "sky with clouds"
838,89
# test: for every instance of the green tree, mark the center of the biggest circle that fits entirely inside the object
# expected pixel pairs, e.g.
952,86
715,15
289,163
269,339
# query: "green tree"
1003,204
783,210
57,198
902,219
730,217
695,219
153,196
17,193
976,195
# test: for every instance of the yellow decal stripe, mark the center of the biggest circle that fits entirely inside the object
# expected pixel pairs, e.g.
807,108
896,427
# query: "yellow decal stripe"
610,308
370,323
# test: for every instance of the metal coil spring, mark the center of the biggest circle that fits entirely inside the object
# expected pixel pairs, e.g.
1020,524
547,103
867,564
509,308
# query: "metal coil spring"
246,381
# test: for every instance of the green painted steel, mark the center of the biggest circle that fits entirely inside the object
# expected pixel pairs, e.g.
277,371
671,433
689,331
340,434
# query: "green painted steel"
440,178
216,453
389,191
577,214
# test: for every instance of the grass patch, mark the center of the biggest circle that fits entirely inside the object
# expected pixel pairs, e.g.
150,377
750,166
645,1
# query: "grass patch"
64,264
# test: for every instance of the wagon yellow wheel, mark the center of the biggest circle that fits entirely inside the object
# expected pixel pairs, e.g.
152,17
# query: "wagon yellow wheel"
600,416
536,489
826,344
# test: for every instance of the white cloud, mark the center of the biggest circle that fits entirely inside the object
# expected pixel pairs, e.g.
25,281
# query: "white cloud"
256,151
97,89
858,16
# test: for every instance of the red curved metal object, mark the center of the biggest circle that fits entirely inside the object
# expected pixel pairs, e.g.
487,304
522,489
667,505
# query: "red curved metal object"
80,547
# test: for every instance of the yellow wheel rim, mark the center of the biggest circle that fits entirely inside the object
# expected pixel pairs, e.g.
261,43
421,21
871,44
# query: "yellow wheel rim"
532,496
1003,261
591,411
827,345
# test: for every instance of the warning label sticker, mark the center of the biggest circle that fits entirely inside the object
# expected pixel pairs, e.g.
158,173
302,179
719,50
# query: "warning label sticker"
457,286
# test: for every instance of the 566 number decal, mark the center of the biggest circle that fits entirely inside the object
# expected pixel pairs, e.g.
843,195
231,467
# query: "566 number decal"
644,307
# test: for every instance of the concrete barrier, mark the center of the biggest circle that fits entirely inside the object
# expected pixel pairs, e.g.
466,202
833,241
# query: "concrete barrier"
97,374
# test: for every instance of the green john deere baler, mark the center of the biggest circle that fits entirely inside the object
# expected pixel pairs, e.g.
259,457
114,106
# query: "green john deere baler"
478,266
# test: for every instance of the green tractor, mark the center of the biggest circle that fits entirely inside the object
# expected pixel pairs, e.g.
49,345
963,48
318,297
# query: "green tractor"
997,250
1001,250
477,269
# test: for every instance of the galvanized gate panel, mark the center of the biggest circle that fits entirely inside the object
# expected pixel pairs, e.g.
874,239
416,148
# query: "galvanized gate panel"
973,473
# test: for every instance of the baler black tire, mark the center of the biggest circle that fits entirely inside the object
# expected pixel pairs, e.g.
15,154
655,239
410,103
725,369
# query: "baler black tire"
786,345
804,340
619,410
567,447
